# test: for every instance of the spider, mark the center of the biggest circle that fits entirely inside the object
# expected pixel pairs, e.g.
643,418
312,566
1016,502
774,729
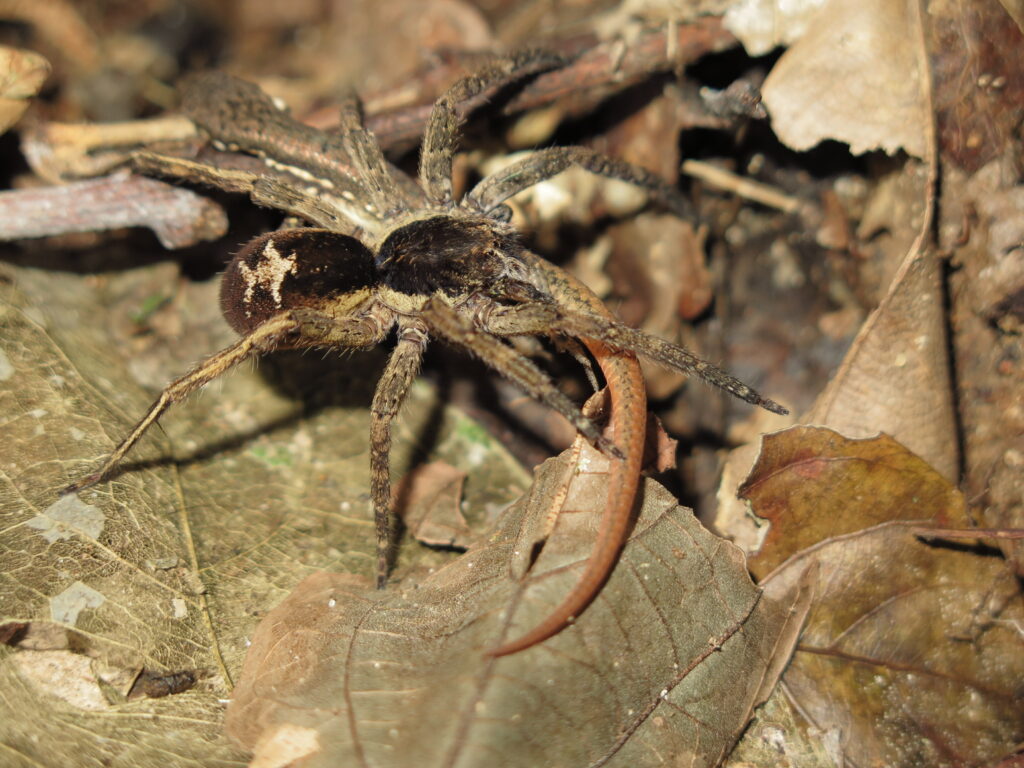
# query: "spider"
387,253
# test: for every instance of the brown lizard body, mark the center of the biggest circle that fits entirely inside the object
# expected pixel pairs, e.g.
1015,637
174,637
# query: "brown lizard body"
628,393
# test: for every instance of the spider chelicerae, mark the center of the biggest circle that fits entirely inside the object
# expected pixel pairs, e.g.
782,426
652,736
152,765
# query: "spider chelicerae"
388,253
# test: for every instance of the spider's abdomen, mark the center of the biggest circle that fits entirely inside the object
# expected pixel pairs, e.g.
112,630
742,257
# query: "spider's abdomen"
295,269
449,254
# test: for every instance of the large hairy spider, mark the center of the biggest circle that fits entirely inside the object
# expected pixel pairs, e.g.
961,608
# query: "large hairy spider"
388,253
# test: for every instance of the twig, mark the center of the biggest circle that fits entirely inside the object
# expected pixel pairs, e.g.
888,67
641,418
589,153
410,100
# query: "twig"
751,190
178,216
580,85
57,151
970,533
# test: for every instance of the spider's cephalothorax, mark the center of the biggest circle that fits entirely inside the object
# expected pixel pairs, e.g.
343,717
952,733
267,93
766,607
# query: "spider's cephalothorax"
389,253
451,255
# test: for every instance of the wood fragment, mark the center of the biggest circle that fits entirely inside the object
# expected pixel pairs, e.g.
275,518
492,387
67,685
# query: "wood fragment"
751,190
178,217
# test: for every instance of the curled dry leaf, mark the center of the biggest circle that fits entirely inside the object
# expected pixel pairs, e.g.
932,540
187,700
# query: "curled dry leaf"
895,378
428,500
762,25
855,76
912,650
22,74
670,658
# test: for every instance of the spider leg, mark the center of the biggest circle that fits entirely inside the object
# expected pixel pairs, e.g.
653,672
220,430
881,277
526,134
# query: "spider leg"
269,189
392,389
353,332
228,179
579,354
542,317
318,209
238,115
365,153
488,195
262,339
441,134
670,355
522,371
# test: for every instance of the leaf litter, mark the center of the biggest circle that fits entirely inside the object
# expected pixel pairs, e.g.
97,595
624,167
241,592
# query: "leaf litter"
912,647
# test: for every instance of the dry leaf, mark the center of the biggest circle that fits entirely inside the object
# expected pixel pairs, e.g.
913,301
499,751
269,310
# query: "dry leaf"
912,650
22,74
855,76
396,677
895,378
428,500
1016,10
762,25
804,470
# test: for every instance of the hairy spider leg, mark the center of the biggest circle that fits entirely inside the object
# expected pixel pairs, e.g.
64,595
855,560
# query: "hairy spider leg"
262,339
520,370
392,389
277,331
441,135
366,155
544,164
240,115
620,336
270,189
228,179
312,169
543,317
571,346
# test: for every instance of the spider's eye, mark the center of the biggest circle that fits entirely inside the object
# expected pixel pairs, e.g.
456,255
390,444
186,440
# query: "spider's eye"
295,269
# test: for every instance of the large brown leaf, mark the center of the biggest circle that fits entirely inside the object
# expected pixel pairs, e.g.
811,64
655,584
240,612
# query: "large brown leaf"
170,567
912,650
666,664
